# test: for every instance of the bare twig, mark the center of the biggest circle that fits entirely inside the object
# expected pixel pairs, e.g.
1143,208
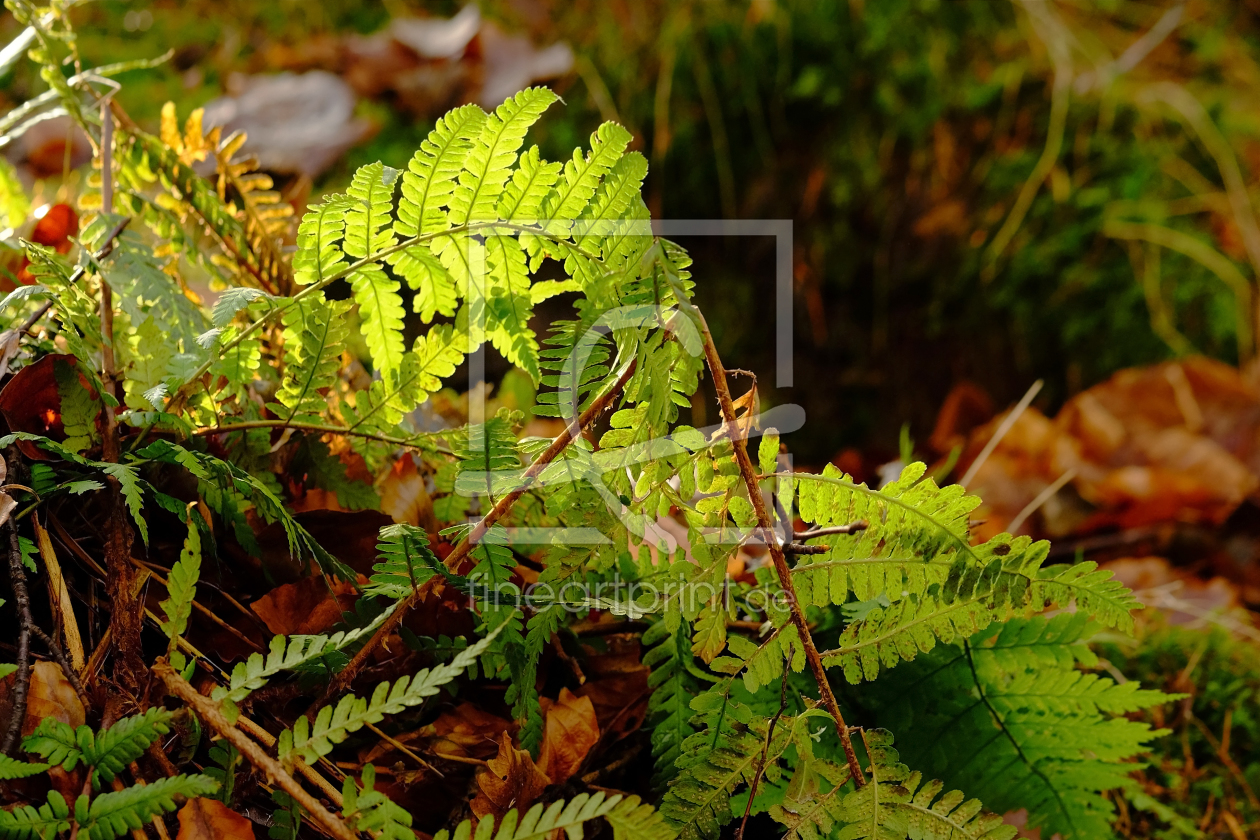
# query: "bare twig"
209,712
851,528
1002,429
784,573
1041,499
62,660
18,576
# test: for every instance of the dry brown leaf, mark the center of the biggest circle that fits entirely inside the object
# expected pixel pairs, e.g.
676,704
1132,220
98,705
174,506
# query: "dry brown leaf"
509,780
51,696
405,497
210,819
465,730
309,606
570,732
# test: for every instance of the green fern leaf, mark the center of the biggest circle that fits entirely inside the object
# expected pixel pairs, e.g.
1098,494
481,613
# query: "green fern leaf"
531,183
628,818
368,810
287,653
406,562
430,178
116,813
1018,729
333,724
129,482
79,409
488,164
12,768
318,256
315,332
508,304
581,177
434,287
368,232
893,805
107,751
669,707
387,401
181,585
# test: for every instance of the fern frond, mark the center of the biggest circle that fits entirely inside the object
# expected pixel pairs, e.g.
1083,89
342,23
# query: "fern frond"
508,305
387,401
1019,731
319,255
531,183
116,813
181,585
315,331
107,751
628,817
12,768
263,215
287,653
333,724
368,232
368,810
488,164
406,561
430,178
25,822
893,805
669,707
79,409
581,176
434,287
604,226
724,753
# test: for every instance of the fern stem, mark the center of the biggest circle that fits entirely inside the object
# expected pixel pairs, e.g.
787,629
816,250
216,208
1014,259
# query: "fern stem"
327,428
210,712
561,442
749,474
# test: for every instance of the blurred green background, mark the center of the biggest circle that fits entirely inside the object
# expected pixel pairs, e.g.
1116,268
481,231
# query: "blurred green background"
982,190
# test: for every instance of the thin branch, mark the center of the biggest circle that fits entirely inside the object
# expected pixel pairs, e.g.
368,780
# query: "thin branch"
209,712
749,473
814,533
18,576
1041,499
326,428
62,660
561,442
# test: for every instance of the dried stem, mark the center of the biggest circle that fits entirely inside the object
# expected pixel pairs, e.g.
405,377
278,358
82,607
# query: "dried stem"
18,576
209,712
561,442
749,473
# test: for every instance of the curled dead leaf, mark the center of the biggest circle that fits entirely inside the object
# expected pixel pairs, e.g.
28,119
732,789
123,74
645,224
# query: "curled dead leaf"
509,780
569,734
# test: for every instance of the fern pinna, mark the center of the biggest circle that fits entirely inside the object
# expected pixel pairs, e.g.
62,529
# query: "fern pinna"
764,712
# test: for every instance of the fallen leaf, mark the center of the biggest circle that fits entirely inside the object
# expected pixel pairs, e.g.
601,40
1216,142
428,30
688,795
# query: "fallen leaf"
405,497
509,780
568,735
51,696
210,819
309,606
617,683
466,731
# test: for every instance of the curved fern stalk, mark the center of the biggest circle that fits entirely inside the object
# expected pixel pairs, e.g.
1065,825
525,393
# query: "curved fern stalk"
628,817
288,653
333,724
368,232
